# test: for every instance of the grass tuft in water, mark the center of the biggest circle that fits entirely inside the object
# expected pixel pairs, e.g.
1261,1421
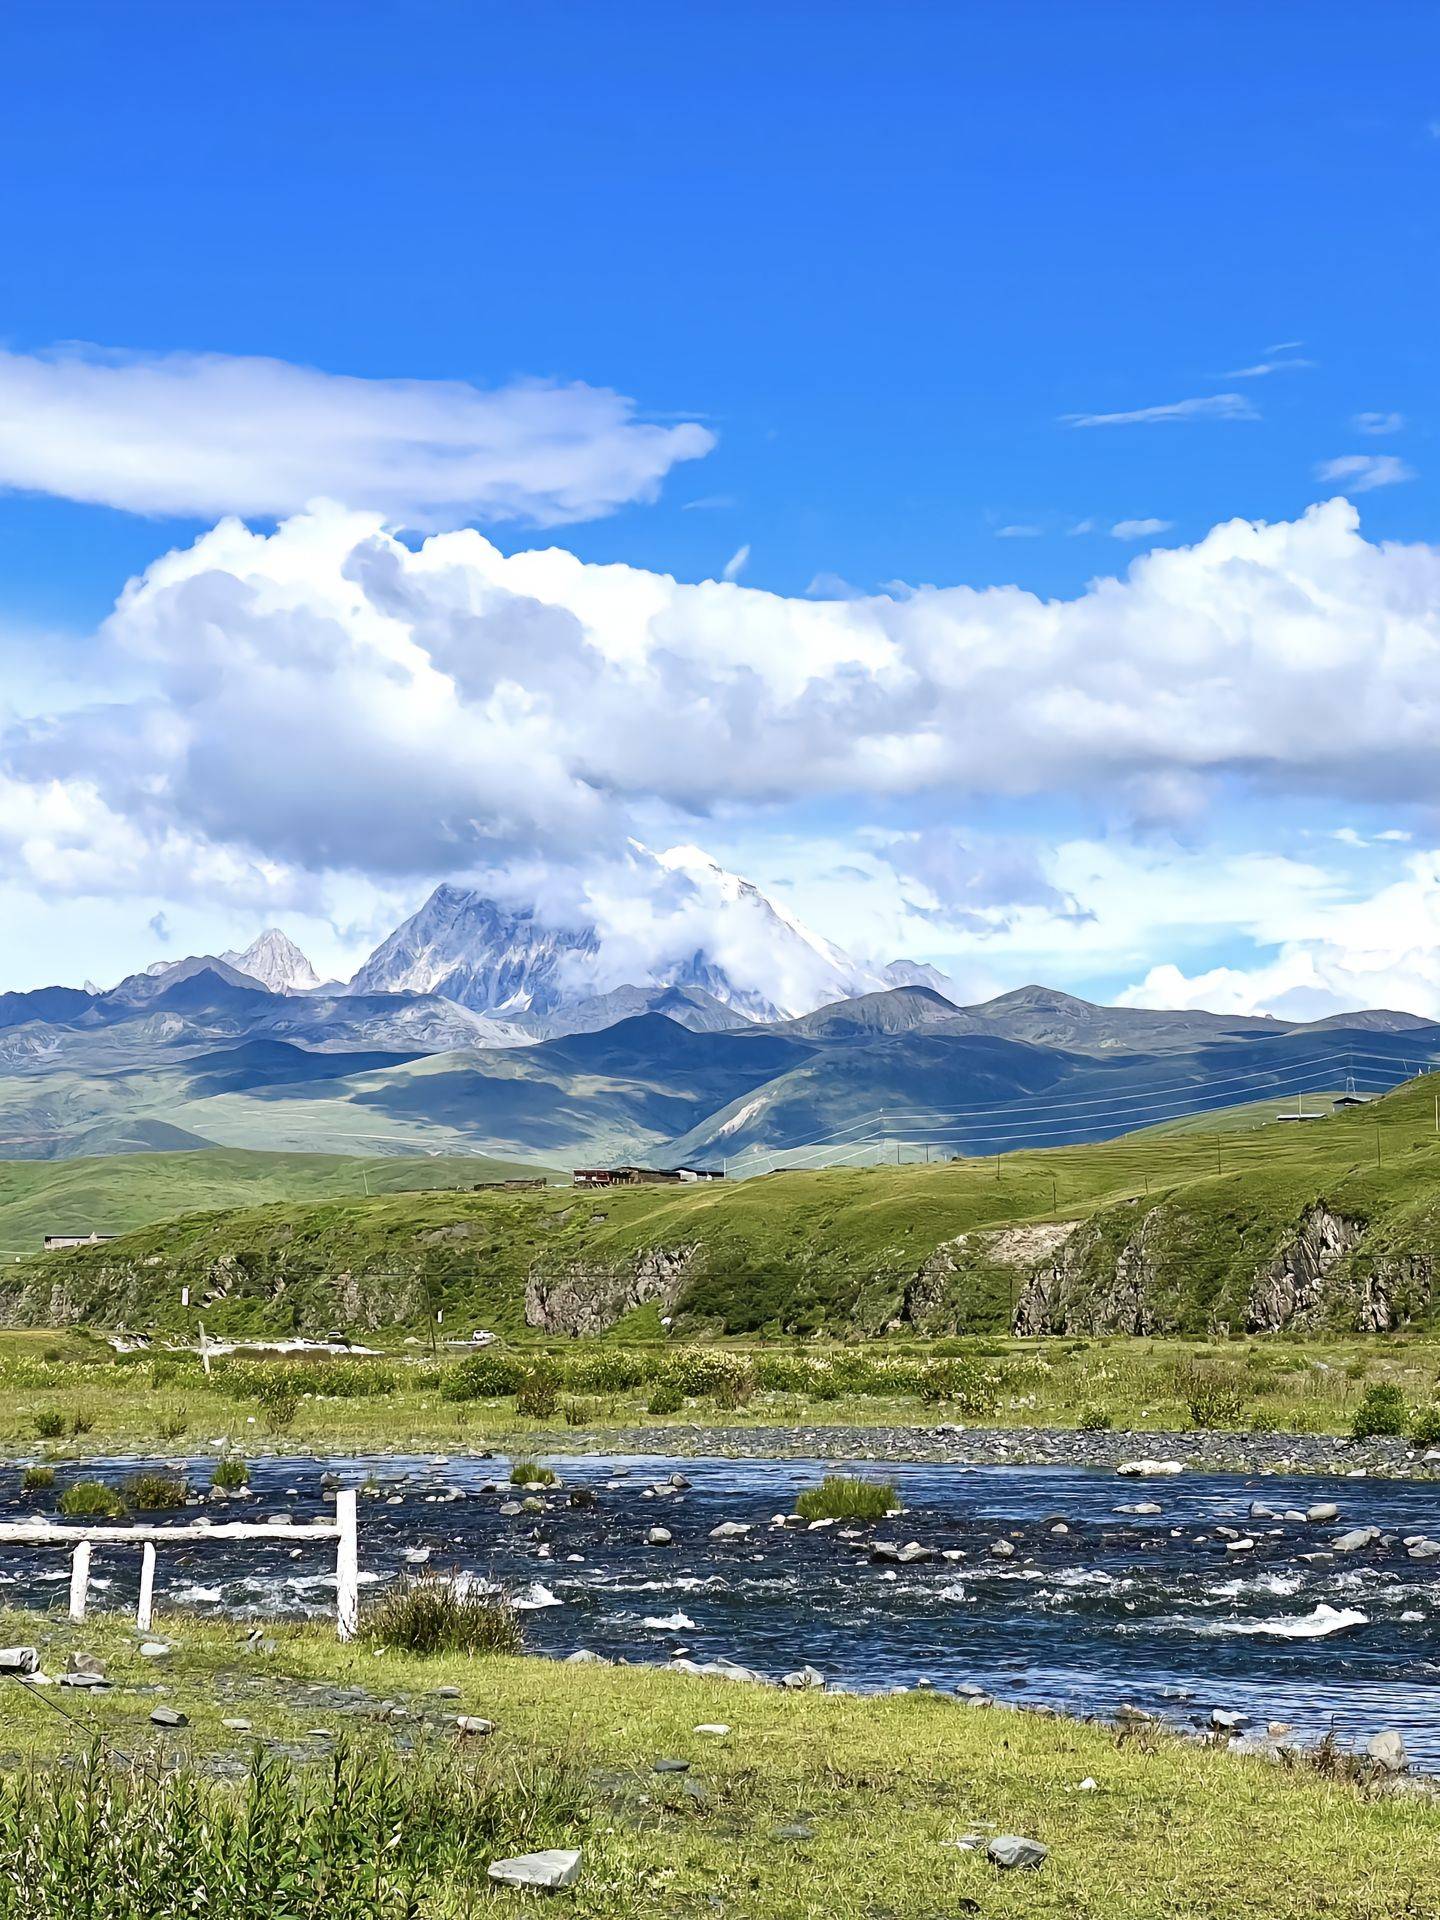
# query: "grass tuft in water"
843,1497
92,1500
151,1492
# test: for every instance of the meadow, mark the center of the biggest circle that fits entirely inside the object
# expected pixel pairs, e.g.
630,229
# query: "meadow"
808,1805
66,1397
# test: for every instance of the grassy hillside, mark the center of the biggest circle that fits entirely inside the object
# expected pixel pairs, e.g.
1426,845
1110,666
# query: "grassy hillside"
117,1194
1335,1223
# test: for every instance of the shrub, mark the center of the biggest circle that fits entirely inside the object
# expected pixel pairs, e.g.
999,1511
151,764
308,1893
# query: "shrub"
432,1614
230,1474
842,1497
1425,1427
1382,1410
81,1423
91,1500
957,1381
1215,1395
154,1492
667,1398
37,1479
50,1424
280,1411
525,1473
578,1413
171,1425
1094,1420
610,1370
339,1379
489,1375
538,1394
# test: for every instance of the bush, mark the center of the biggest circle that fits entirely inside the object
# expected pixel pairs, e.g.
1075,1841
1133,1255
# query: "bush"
50,1424
610,1370
171,1425
154,1492
1094,1420
431,1614
959,1382
37,1479
82,1423
280,1411
230,1474
1382,1410
1215,1395
1425,1427
339,1379
525,1473
489,1375
91,1500
538,1395
842,1497
667,1398
578,1413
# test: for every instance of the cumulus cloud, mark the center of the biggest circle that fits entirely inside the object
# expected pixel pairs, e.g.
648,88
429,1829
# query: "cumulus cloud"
1381,949
1363,472
326,698
1208,406
206,434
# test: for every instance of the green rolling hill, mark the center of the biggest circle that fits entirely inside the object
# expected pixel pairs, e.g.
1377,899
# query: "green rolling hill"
118,1194
1334,1223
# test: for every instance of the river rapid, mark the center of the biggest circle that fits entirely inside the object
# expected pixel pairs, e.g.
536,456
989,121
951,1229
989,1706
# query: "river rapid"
1095,1605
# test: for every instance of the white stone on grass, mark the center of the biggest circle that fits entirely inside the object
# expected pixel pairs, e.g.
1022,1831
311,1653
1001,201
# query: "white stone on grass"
550,1869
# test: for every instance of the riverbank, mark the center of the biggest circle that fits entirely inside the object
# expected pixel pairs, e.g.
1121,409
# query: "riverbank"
810,1805
1245,1405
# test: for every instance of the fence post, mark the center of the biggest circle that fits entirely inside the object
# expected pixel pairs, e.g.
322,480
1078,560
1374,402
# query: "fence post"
79,1579
347,1566
144,1613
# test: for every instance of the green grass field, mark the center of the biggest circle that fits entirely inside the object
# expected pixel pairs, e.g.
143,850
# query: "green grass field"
65,1398
811,1807
117,1194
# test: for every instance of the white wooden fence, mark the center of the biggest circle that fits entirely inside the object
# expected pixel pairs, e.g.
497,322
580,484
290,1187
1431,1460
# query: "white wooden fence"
343,1530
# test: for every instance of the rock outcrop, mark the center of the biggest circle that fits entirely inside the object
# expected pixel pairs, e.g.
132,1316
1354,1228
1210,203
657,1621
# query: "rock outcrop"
1295,1290
585,1298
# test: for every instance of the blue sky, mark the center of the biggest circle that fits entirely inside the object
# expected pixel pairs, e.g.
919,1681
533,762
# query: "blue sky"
883,262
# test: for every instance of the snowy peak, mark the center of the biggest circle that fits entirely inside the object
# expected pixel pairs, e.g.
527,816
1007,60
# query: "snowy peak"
680,920
276,962
473,950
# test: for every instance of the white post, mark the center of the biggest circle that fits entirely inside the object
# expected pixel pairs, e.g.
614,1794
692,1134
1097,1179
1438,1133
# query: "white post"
144,1613
79,1579
204,1350
347,1566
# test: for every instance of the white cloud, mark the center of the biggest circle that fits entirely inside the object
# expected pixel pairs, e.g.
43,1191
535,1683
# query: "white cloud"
1139,529
1210,406
1363,472
1263,368
207,434
1381,950
1378,423
1019,531
328,699
737,562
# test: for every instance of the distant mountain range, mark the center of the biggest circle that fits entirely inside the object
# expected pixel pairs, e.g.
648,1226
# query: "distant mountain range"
203,1054
481,1027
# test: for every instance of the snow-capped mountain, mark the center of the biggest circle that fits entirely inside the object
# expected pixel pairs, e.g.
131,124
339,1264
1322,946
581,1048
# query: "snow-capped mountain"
276,962
682,920
491,958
